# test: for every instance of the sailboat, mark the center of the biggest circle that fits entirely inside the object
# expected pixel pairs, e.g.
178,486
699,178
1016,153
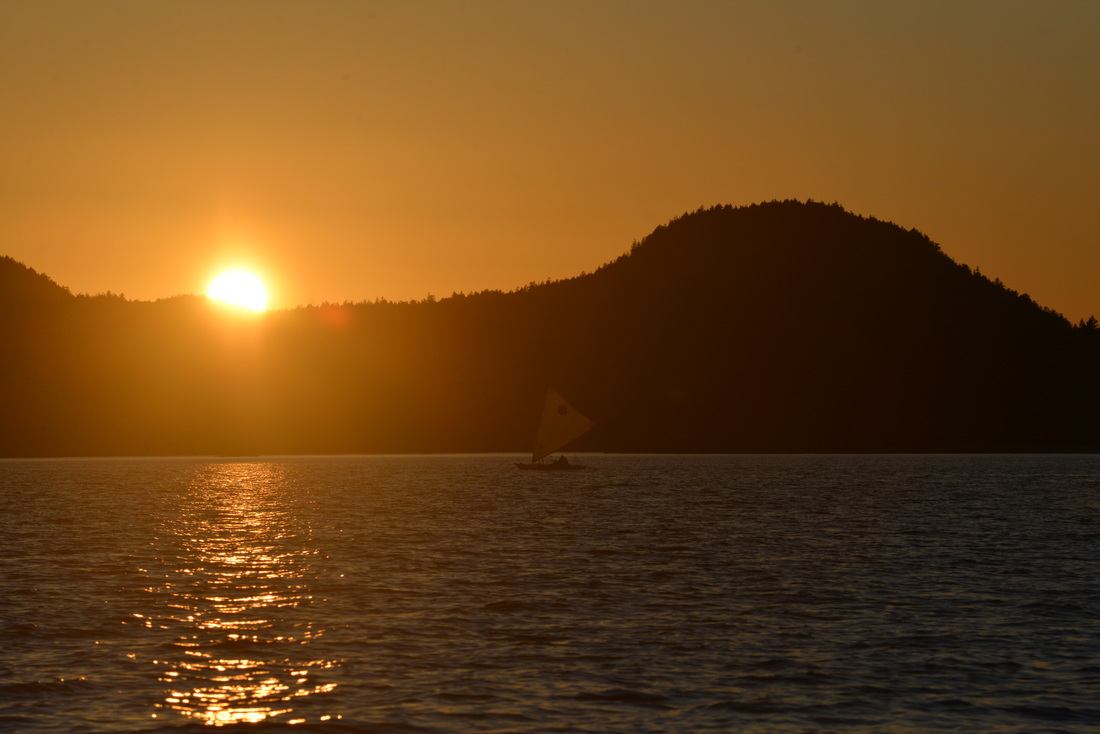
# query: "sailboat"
560,424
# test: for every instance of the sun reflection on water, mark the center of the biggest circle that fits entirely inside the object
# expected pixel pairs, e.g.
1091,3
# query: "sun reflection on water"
237,596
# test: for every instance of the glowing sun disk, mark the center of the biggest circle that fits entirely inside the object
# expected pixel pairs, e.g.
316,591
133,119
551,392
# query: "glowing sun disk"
240,289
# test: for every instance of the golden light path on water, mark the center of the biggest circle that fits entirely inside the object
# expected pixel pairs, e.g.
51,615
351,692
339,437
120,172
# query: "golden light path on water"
237,594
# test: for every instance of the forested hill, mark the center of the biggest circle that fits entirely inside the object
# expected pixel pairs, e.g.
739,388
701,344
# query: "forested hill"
23,287
784,326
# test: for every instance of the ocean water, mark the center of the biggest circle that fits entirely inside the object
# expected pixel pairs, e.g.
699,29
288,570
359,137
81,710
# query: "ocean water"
646,594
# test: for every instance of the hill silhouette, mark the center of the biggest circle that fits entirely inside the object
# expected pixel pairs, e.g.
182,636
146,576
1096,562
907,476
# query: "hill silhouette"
777,327
23,287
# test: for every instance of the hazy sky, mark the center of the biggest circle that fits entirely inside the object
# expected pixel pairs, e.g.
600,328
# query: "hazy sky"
353,150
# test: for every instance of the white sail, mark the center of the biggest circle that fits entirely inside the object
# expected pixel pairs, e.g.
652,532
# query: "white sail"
560,424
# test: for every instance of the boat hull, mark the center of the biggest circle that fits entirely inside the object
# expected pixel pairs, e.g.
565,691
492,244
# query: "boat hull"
550,467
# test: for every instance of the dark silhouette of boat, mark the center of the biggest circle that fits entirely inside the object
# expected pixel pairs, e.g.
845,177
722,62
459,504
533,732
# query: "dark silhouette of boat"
560,424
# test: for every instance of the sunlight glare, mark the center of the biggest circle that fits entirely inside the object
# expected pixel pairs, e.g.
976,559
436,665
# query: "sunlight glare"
239,288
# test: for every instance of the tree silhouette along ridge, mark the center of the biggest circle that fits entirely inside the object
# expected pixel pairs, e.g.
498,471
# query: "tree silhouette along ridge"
785,326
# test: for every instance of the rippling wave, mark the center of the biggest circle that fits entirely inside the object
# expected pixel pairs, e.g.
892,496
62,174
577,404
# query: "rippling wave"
437,594
234,588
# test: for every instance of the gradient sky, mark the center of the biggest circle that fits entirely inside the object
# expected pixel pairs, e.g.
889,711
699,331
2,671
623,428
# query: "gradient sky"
354,150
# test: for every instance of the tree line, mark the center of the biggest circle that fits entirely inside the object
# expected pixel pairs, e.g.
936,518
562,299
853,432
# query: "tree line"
778,327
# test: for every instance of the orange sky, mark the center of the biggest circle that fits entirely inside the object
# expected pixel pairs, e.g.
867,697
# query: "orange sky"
354,150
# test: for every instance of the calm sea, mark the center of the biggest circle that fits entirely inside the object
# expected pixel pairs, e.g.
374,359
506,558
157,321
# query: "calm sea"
457,594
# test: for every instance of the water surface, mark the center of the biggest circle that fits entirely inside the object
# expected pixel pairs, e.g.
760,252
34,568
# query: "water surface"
646,594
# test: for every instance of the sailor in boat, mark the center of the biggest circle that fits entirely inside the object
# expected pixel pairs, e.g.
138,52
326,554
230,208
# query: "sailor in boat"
561,461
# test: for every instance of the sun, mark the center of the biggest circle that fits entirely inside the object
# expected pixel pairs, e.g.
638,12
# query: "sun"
239,288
